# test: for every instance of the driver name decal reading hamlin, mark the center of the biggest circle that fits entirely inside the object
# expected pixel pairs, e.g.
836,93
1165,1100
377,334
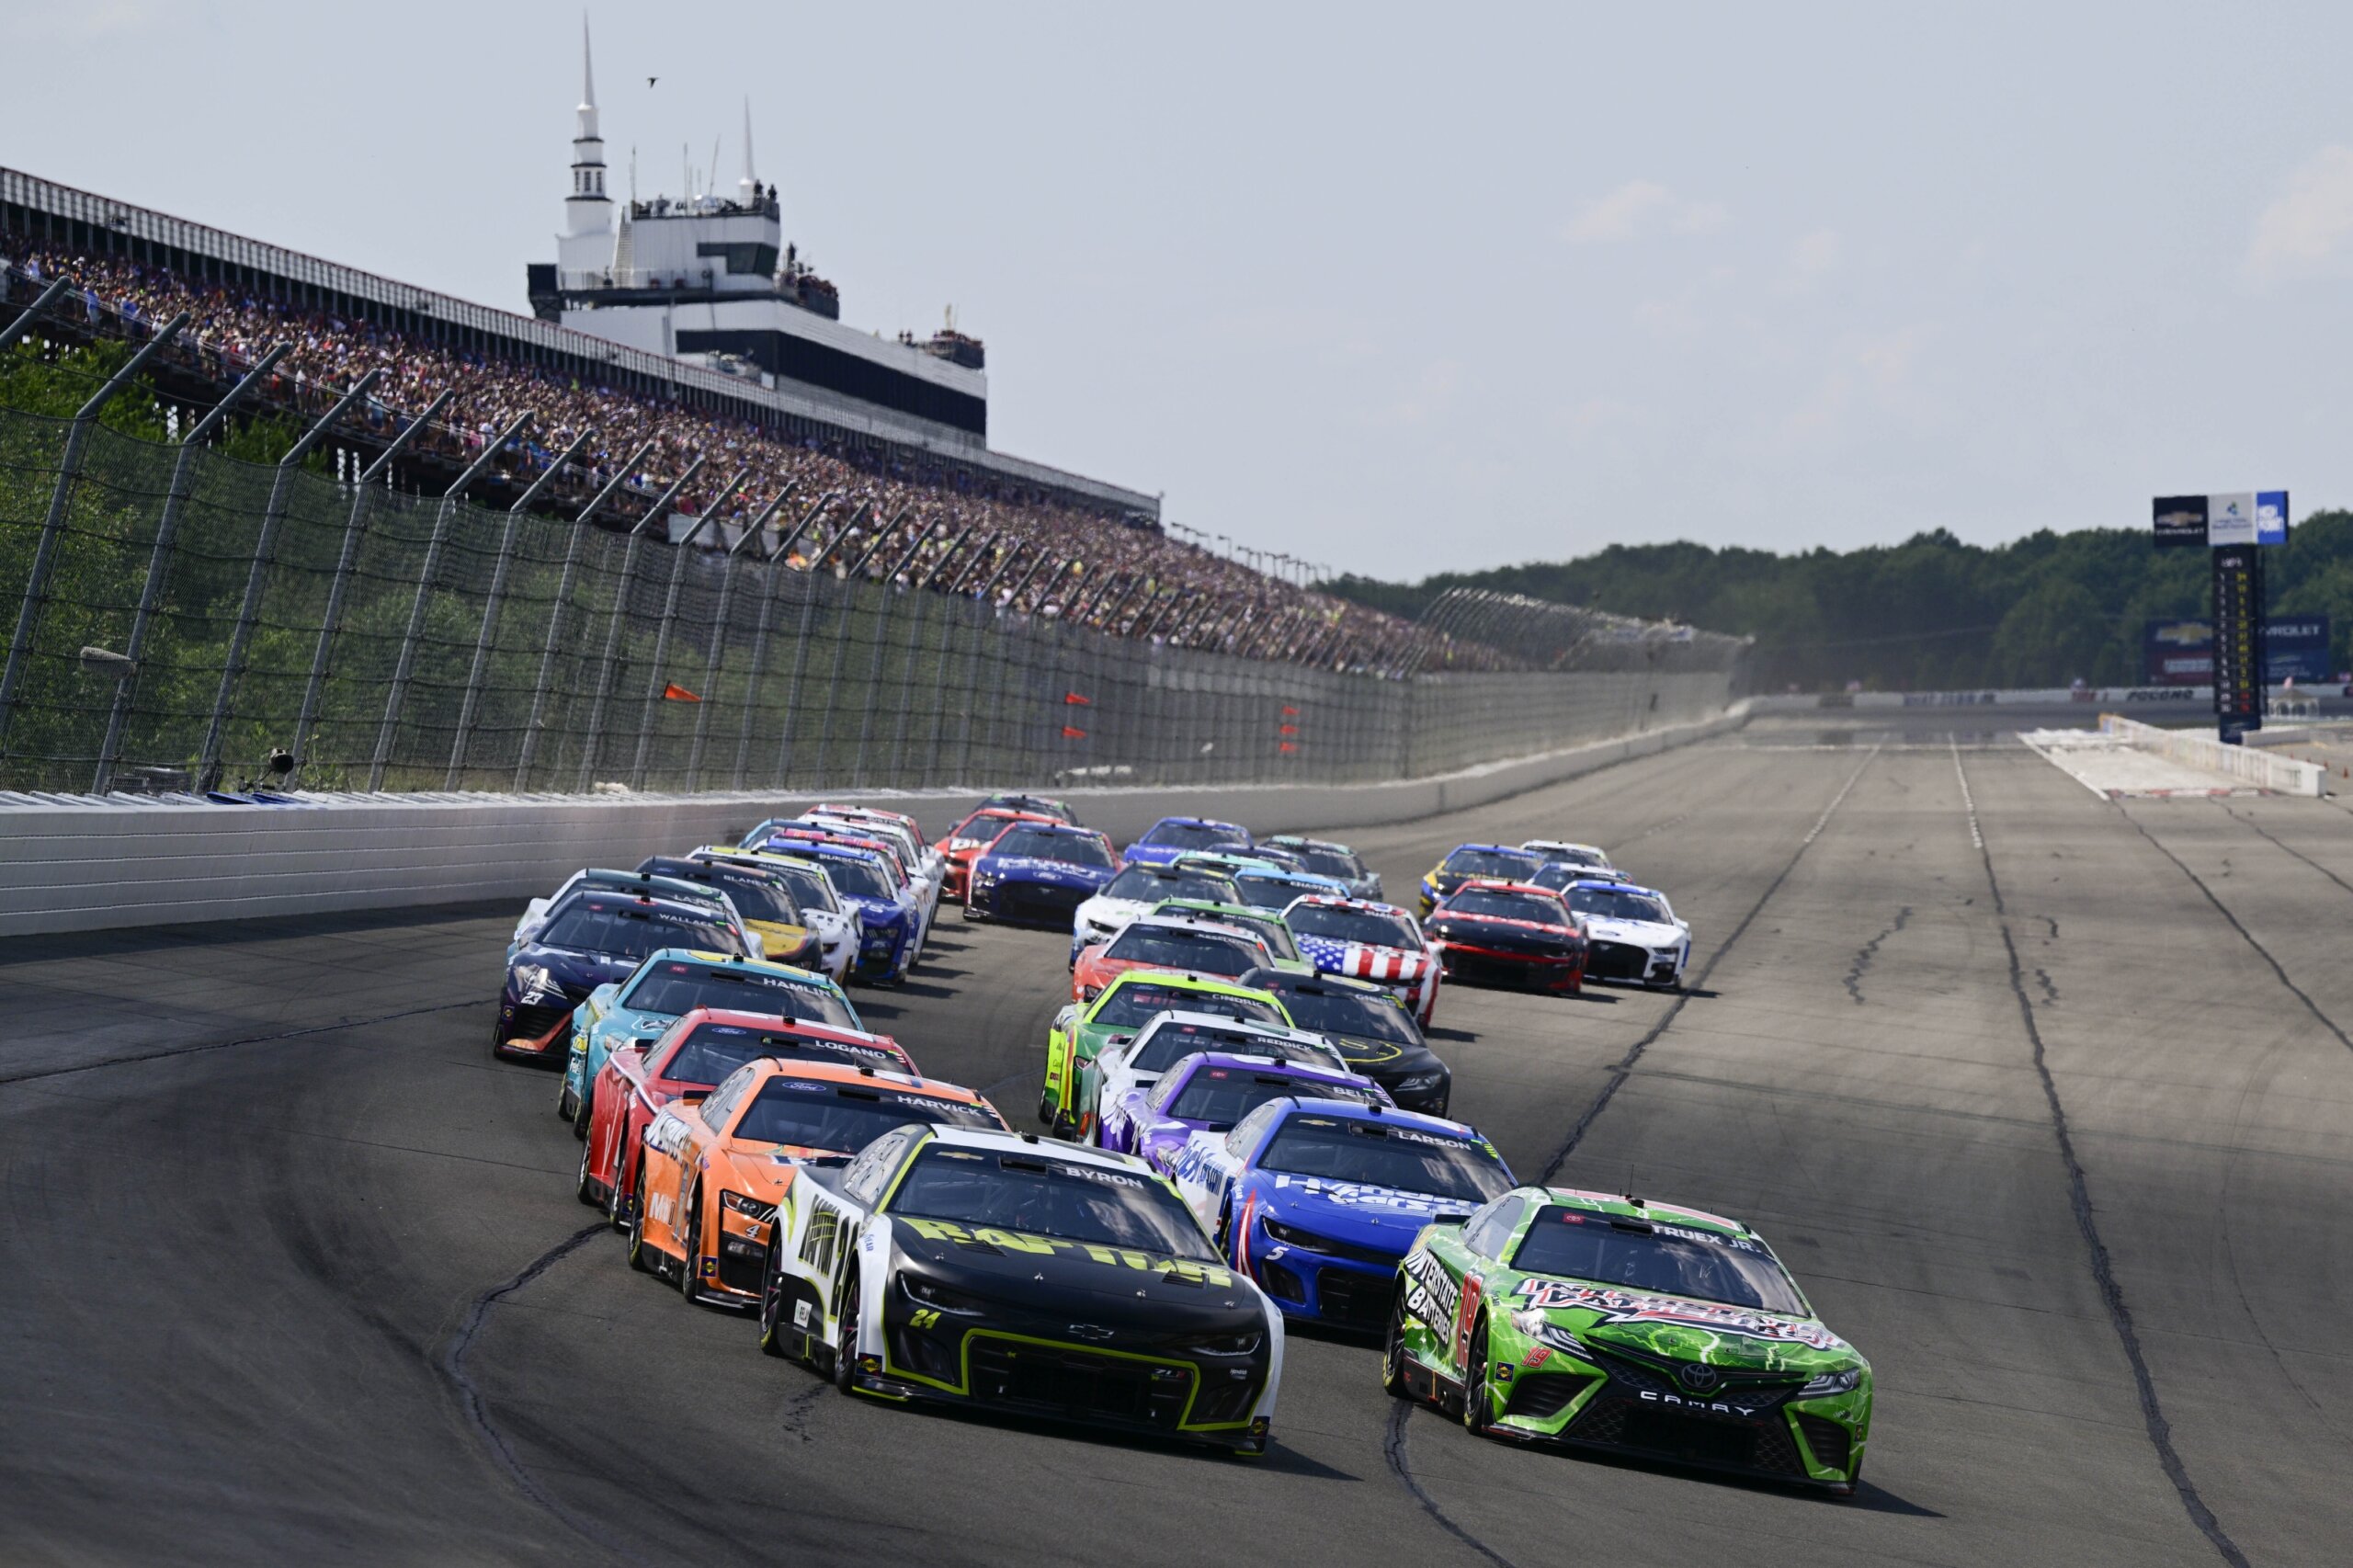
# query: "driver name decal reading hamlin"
1620,1306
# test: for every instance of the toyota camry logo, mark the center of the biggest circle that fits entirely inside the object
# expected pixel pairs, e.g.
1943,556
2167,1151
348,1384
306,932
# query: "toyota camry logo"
1091,1330
1700,1379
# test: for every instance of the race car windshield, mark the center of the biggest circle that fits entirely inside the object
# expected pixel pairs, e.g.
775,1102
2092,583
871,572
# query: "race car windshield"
1355,1014
1267,893
1037,805
1611,904
1069,849
1569,855
1558,874
809,888
625,931
1506,906
1191,836
756,897
1369,927
714,1050
1047,1196
1376,1154
1131,1006
1143,884
1172,1043
1265,927
1509,864
843,1117
983,825
1219,1096
861,878
1204,952
1328,862
682,987
1670,1259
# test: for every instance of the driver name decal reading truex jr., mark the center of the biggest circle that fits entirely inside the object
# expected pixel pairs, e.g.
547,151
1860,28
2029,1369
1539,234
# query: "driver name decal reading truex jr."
1021,1241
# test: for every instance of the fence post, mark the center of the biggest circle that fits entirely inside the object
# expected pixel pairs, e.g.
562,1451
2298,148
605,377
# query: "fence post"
655,681
159,559
917,600
749,538
555,611
232,668
774,575
68,469
873,693
593,741
490,606
800,663
405,667
833,687
23,324
363,490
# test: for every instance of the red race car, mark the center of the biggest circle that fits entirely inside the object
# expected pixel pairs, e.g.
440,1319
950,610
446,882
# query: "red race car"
683,1062
969,839
1504,933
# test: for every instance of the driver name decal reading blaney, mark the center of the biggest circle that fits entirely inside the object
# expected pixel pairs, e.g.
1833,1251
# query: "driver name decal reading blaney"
1620,1306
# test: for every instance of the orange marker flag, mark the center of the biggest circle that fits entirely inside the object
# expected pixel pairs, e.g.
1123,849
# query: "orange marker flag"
1074,734
673,692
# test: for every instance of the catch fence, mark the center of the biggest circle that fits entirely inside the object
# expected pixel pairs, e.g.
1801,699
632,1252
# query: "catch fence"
180,616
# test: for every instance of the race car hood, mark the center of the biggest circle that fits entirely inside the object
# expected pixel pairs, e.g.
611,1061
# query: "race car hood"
1360,961
544,976
1681,1329
1383,1058
1380,1217
1150,854
1114,911
642,1025
1639,933
1049,873
1121,1290
1480,928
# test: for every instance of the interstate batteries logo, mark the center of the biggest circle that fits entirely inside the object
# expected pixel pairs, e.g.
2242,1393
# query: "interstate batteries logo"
1620,1306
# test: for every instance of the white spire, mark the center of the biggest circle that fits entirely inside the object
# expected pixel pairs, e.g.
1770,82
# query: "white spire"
588,88
588,211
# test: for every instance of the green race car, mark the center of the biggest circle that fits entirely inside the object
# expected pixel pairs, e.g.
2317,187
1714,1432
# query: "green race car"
1082,1029
1637,1327
1262,924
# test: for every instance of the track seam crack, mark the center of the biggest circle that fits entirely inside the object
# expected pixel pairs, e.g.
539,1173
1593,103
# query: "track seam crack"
2120,1315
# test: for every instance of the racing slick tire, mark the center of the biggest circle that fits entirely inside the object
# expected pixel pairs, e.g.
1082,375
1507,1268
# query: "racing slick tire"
692,1209
640,1257
584,1111
1393,1381
1475,1403
774,1336
585,1188
566,1108
845,1353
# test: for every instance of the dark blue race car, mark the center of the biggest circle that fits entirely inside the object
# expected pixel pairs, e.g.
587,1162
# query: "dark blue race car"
1037,874
589,940
1172,836
1317,1199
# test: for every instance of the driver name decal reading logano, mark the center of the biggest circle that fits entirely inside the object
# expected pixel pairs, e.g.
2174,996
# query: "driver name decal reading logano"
1110,1256
1620,1306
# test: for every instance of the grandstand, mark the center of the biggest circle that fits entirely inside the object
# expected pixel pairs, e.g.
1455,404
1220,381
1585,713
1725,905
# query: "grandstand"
838,485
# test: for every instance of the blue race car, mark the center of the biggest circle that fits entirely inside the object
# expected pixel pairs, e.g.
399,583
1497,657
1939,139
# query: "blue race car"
1038,873
1172,836
890,906
674,981
591,938
1317,1199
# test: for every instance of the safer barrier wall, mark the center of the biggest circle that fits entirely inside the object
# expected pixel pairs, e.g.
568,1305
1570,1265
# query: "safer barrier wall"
84,865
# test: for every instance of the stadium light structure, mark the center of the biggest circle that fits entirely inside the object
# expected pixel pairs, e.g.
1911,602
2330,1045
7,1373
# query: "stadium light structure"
363,492
69,470
579,530
273,515
159,557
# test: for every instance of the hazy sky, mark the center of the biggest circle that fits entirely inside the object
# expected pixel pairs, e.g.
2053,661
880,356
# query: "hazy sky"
1405,289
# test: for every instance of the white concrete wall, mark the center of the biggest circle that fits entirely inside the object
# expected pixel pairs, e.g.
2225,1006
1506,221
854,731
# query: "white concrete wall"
91,865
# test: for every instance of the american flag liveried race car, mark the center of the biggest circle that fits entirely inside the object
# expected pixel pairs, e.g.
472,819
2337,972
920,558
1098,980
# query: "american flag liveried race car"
1364,940
685,1062
1510,934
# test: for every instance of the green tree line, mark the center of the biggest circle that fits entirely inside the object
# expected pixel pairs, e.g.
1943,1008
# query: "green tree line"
1931,613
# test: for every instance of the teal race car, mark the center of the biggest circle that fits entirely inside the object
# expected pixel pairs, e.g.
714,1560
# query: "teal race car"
674,981
1640,1328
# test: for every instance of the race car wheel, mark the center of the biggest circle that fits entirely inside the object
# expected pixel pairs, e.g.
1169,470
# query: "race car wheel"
1045,1111
772,1330
566,1108
845,1351
586,1189
1475,1403
691,1263
584,1111
1392,1353
639,1257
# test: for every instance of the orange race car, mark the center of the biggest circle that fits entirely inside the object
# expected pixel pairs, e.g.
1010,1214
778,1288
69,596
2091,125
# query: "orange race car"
1193,944
683,1062
710,1175
969,839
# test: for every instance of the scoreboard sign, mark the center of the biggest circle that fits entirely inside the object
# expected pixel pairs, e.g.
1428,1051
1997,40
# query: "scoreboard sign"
2238,639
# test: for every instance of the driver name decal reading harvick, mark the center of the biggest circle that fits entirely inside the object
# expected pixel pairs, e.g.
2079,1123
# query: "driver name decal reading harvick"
1022,1240
1620,1306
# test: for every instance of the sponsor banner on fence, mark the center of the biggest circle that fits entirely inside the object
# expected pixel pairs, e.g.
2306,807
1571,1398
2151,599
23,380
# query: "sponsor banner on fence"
2182,653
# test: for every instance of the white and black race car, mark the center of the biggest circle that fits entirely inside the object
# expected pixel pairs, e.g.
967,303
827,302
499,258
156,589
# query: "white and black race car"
999,1269
1631,932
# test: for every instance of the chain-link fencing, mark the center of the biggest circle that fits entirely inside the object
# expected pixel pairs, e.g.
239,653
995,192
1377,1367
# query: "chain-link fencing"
181,615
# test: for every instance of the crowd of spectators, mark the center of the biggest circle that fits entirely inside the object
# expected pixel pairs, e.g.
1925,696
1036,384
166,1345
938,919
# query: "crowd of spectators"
898,512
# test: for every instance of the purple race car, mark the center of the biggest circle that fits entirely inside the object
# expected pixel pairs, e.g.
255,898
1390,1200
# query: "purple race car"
1211,1092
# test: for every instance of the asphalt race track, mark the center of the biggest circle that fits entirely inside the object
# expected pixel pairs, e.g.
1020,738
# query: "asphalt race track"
2046,1101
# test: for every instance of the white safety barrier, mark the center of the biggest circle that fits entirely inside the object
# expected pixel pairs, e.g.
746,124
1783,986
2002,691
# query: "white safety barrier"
81,864
2248,763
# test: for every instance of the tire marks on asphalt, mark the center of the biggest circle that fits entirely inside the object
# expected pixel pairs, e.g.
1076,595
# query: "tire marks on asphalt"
2119,1314
198,1048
